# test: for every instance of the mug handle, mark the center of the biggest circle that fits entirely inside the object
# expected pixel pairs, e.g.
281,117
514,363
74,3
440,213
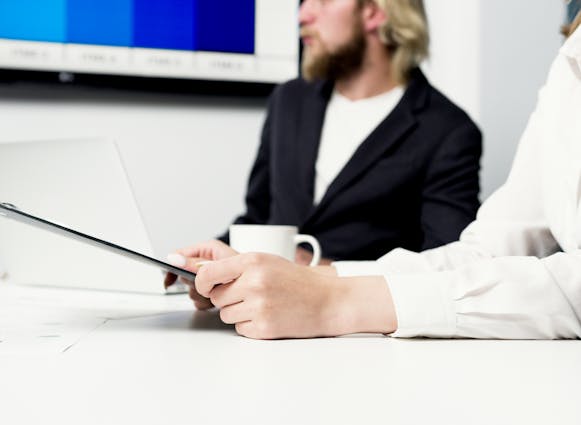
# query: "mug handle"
299,239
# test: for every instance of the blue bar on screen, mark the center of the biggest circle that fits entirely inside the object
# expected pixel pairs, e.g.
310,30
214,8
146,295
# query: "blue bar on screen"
103,22
164,24
36,20
225,25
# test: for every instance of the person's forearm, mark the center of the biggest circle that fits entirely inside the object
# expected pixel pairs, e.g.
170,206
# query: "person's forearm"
361,305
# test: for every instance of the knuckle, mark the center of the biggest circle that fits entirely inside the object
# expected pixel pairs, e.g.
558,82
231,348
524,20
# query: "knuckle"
262,308
252,259
256,286
256,259
260,280
261,275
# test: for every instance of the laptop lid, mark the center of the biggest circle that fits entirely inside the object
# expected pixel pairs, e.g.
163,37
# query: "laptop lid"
83,185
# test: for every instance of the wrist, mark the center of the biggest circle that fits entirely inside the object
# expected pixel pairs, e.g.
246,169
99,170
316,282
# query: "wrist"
361,305
325,270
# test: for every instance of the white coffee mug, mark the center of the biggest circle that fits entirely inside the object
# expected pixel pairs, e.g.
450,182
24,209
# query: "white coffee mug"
278,240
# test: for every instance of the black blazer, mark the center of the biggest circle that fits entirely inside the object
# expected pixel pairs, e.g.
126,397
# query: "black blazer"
413,183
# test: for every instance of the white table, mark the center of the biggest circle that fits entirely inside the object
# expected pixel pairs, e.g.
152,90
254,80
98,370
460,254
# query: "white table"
158,362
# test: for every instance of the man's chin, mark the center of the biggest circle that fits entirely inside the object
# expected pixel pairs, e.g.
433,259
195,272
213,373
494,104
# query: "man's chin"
310,55
315,67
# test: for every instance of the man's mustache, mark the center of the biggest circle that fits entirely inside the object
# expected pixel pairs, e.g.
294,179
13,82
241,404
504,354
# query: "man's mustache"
306,32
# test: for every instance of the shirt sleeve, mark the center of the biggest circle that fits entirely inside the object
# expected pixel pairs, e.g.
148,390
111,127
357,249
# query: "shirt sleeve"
505,277
501,298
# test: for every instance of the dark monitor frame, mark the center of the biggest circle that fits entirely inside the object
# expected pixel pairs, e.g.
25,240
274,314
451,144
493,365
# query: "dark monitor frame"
138,83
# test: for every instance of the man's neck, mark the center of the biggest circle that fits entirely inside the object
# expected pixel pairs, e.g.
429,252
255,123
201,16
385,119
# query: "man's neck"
373,78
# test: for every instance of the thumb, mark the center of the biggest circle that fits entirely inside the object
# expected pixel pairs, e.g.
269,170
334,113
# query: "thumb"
192,264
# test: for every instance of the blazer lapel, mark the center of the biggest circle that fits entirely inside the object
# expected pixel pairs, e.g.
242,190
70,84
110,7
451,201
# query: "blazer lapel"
312,117
389,132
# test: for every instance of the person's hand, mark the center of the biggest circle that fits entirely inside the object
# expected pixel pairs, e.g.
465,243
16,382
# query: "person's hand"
304,258
190,259
268,297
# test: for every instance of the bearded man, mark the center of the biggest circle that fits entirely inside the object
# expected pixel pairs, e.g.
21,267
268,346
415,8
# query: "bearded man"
362,152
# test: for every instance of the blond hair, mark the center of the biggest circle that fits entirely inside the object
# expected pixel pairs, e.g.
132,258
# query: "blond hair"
405,33
568,30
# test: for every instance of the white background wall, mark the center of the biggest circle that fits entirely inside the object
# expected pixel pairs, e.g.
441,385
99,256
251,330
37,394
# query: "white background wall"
189,157
491,57
518,41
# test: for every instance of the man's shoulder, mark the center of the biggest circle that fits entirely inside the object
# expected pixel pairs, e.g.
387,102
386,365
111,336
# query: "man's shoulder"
440,116
443,109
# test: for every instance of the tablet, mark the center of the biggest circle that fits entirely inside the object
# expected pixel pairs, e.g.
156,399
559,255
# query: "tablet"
12,212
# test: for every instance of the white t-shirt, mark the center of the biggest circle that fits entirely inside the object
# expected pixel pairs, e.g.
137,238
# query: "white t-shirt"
347,124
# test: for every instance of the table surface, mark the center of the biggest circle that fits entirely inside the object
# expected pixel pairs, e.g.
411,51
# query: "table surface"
146,359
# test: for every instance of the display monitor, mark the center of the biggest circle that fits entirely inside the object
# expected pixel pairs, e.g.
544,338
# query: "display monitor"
254,41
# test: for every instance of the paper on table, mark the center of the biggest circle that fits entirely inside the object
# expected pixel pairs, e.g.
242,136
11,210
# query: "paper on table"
34,330
39,320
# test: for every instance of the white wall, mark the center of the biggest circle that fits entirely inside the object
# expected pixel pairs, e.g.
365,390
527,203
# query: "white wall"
189,157
491,57
454,62
518,41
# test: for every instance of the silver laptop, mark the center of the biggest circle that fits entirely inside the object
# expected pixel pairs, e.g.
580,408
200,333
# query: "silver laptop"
83,185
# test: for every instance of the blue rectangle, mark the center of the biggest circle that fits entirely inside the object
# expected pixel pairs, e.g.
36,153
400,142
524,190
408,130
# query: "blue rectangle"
102,22
33,20
164,24
225,25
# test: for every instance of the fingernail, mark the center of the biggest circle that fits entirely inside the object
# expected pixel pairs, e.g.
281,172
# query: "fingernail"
202,263
176,260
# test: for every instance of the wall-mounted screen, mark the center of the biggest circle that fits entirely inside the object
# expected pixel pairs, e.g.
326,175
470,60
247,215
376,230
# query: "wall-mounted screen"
225,40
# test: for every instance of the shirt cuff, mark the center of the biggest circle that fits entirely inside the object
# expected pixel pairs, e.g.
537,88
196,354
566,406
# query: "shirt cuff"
424,305
357,268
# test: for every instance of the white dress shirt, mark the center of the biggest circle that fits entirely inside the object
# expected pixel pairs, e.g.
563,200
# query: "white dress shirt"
516,271
347,124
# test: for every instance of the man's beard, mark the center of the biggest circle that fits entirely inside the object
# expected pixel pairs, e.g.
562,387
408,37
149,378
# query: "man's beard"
341,63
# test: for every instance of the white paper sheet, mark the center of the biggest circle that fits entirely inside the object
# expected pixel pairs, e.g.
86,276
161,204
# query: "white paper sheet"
38,320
